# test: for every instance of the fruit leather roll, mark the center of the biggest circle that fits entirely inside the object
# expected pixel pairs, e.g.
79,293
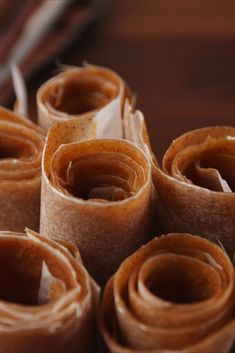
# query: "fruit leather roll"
79,91
196,185
47,297
21,145
175,294
95,193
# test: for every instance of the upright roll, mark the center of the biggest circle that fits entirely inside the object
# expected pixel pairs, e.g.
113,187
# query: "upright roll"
47,297
96,189
21,145
196,185
175,294
95,193
78,91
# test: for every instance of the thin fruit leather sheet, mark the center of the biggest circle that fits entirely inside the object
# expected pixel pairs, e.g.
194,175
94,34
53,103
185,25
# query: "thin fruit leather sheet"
75,18
48,300
196,185
174,295
97,187
21,146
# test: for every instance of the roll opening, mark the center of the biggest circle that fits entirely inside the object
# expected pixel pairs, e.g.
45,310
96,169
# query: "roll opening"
12,147
81,94
21,272
100,169
180,279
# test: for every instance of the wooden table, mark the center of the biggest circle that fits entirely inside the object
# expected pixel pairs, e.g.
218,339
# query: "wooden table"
178,56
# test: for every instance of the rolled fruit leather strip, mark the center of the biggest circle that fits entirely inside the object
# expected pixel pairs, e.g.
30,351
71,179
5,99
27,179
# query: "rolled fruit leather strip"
77,92
21,145
175,294
96,192
196,185
47,297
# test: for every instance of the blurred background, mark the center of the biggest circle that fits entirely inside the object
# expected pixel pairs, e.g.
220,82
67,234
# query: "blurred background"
177,55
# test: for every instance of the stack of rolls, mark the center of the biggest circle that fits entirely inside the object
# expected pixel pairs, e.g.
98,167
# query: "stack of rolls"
47,297
175,294
102,191
96,185
196,185
21,145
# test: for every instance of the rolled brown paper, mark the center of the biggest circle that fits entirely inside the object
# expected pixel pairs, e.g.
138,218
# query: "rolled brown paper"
47,297
95,193
21,145
196,185
78,91
175,294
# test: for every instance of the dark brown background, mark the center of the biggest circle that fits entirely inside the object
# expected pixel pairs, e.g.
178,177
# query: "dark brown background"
178,55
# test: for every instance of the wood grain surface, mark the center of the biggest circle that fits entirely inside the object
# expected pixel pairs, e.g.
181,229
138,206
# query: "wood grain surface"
178,56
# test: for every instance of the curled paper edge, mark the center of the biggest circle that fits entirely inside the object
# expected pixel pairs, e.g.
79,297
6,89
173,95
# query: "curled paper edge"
46,282
21,105
109,121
